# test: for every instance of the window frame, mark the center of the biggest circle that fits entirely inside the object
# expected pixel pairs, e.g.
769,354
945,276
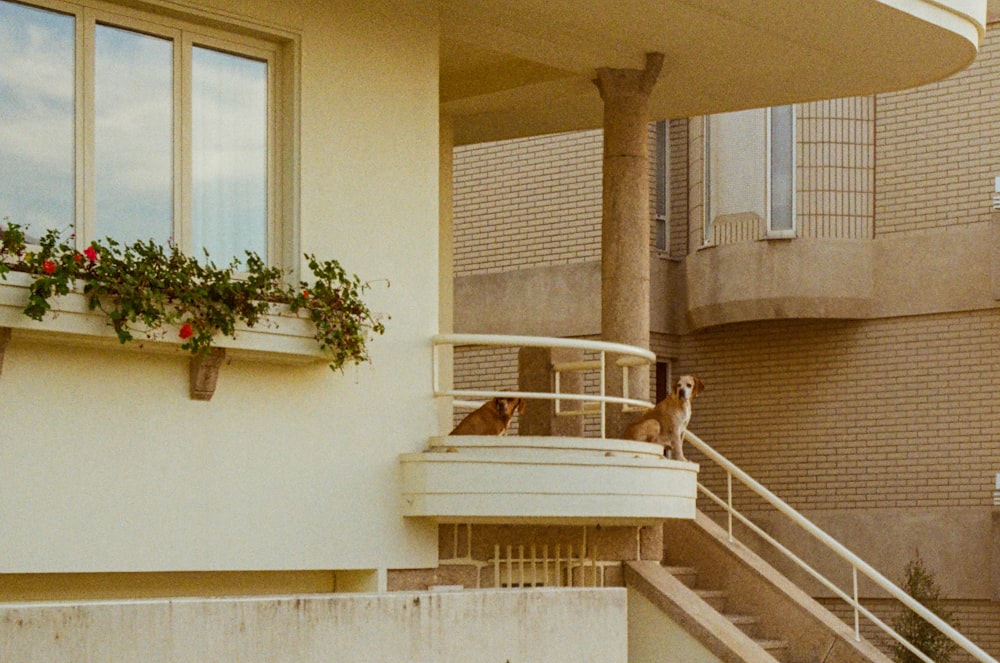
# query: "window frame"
278,48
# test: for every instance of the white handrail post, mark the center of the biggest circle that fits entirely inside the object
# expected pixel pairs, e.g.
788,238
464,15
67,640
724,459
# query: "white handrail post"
625,381
435,380
558,375
604,404
857,604
729,502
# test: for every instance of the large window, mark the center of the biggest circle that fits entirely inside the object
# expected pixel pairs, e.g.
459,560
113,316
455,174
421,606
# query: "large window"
135,127
750,169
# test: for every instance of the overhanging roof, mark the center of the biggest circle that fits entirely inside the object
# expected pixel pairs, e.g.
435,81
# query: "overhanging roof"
513,68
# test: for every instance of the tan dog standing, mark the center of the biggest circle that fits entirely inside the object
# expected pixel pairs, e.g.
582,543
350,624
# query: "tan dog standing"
492,418
666,422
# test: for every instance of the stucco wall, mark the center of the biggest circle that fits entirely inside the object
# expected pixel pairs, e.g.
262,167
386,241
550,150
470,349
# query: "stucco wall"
109,466
444,627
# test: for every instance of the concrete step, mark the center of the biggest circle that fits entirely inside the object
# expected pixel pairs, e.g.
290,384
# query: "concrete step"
686,574
776,648
714,597
746,623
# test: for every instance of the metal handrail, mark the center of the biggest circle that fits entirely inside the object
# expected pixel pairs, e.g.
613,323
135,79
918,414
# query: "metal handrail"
629,356
857,564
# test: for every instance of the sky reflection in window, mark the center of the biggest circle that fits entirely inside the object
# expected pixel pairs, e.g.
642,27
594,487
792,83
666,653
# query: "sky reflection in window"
133,131
36,118
229,149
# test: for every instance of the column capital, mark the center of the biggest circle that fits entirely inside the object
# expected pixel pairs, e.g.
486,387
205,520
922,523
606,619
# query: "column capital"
626,82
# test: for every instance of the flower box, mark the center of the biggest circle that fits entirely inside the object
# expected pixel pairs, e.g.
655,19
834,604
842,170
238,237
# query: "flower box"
282,337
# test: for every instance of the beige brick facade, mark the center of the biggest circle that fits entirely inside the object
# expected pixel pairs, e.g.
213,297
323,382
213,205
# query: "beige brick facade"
897,412
892,413
528,202
937,149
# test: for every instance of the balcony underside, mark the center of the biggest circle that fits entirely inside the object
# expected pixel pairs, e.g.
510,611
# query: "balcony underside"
546,480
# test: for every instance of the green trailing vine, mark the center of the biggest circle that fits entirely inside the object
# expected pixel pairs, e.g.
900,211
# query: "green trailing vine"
145,288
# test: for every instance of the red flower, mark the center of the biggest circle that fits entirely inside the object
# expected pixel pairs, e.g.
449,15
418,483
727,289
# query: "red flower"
48,267
305,294
91,254
185,331
78,258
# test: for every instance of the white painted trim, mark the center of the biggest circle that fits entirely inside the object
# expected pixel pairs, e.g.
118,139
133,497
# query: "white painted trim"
282,337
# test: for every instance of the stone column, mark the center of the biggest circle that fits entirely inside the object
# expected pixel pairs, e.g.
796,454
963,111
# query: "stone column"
534,369
625,220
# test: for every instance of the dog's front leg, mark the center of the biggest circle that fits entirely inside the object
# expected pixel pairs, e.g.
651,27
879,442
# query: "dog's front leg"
677,447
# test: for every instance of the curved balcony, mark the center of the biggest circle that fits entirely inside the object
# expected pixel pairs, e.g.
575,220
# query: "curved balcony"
770,280
548,479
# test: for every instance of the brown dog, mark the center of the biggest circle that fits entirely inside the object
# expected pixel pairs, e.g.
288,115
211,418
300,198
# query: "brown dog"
665,424
492,418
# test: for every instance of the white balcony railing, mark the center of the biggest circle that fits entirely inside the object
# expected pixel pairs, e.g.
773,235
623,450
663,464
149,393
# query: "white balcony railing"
627,357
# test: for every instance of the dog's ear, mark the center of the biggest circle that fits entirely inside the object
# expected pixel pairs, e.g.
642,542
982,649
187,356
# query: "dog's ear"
699,386
520,405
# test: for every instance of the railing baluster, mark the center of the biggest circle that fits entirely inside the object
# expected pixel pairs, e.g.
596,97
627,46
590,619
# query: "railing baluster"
604,404
558,375
857,604
729,502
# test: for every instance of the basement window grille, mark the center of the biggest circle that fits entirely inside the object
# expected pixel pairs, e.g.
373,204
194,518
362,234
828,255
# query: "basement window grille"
523,567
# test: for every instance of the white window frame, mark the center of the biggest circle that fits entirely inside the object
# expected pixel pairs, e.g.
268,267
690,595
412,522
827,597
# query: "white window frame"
278,48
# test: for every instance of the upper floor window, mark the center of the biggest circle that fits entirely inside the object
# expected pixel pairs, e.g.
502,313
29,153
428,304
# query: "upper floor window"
137,126
750,170
781,169
662,175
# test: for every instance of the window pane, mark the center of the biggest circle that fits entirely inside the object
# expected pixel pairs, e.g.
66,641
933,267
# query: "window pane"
133,126
229,149
37,128
782,167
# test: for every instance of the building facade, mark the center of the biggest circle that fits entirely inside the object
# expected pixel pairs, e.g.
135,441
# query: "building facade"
255,505
848,349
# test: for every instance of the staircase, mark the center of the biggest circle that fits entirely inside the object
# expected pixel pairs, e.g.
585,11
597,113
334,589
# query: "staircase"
735,606
718,600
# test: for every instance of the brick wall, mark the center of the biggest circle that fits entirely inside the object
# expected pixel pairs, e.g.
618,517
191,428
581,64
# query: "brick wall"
528,202
938,148
899,412
976,620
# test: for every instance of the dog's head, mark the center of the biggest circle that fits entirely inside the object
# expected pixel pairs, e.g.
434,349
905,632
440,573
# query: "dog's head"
688,386
507,407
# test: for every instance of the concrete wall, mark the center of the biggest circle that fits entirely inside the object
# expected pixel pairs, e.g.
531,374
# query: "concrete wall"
442,627
653,637
110,467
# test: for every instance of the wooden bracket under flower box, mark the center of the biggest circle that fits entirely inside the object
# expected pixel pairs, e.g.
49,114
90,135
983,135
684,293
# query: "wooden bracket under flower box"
279,338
